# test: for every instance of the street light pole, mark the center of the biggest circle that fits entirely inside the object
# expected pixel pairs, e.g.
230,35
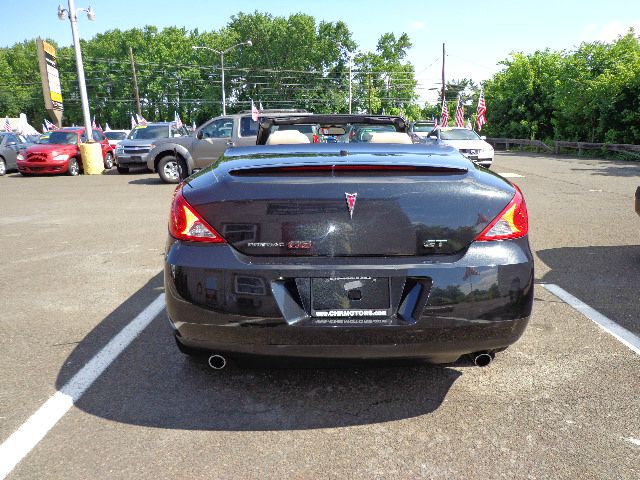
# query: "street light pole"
72,14
248,43
224,100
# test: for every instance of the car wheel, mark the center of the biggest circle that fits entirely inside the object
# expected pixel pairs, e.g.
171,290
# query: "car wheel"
3,167
123,170
169,169
108,161
73,168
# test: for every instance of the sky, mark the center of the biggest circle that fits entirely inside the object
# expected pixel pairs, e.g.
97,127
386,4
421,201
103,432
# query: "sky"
477,35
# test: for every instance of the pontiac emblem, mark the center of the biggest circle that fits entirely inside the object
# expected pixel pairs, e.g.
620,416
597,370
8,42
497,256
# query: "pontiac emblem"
351,202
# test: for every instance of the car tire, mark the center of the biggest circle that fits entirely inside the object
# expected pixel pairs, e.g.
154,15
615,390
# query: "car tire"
108,161
123,170
73,168
3,167
169,169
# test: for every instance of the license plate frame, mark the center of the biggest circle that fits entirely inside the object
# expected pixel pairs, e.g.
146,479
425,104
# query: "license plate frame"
350,297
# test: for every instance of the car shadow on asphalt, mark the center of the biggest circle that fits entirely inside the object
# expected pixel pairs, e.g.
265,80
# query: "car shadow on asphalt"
146,181
606,278
614,169
152,384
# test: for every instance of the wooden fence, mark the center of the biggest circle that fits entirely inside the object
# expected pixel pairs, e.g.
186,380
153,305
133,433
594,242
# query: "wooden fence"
507,142
580,146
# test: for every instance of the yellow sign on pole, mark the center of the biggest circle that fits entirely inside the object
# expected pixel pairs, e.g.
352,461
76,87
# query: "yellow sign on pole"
51,88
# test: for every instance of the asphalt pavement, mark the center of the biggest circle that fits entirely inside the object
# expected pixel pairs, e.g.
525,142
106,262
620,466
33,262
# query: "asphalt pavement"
82,257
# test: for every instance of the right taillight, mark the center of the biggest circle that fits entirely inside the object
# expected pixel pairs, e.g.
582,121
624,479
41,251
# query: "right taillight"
186,224
511,222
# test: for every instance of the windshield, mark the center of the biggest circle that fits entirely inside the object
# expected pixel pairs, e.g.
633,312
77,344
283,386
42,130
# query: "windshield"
149,132
63,138
115,135
459,134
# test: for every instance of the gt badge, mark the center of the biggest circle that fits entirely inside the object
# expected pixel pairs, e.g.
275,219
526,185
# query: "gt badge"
351,202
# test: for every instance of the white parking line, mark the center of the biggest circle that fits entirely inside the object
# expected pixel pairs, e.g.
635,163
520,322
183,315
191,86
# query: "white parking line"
623,335
23,440
510,175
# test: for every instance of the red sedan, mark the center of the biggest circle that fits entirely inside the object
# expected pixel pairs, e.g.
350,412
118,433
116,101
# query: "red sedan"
61,154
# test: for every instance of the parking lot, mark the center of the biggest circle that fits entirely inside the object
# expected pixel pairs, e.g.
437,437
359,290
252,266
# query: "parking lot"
82,258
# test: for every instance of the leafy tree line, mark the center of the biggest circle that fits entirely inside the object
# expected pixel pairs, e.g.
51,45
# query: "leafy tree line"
591,94
295,62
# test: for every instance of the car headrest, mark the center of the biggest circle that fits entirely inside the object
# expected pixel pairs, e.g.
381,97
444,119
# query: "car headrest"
390,137
287,137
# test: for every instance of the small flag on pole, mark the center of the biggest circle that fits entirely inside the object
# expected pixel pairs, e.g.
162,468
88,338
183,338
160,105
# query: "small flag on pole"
50,126
93,124
140,120
255,114
460,112
44,128
444,115
481,117
193,126
177,120
7,125
260,108
134,124
107,127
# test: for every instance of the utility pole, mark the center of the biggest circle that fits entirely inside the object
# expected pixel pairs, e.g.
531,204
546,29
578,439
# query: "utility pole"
135,82
443,72
369,84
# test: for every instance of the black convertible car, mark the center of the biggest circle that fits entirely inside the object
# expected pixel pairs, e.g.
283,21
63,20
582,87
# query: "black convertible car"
377,249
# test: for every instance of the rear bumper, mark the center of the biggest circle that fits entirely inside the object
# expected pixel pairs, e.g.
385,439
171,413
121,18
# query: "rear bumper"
43,167
439,311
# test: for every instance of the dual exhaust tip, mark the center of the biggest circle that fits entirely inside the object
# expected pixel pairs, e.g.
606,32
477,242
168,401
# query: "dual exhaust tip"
217,362
480,359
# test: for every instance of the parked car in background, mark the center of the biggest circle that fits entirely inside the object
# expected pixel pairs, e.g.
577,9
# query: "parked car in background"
116,136
61,154
10,146
134,150
347,250
421,128
211,139
468,142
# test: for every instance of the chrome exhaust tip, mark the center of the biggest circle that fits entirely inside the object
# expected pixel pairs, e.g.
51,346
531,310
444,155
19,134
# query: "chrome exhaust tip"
482,359
217,362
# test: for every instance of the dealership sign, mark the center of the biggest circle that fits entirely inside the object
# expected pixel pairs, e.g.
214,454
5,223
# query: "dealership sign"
50,79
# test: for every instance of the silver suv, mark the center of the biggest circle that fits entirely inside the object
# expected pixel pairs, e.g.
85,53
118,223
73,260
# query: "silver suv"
176,158
134,150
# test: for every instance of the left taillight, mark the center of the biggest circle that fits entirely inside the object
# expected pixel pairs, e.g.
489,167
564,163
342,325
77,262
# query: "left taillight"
511,222
186,224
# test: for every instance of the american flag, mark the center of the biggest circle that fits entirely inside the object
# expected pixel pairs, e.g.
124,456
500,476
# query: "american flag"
260,107
7,125
93,124
460,112
134,124
481,113
255,114
177,120
444,116
50,126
